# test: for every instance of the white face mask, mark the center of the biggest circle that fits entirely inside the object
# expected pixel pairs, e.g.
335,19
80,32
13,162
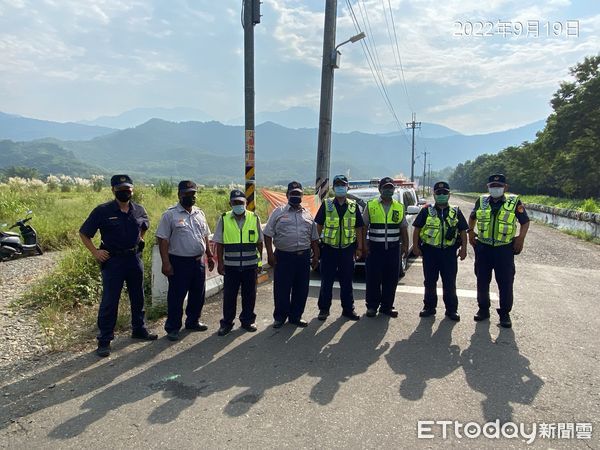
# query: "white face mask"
496,192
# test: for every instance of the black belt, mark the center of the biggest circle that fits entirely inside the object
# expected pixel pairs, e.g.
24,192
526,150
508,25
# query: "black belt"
125,252
298,252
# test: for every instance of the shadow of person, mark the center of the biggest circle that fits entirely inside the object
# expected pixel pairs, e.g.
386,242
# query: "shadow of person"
71,378
424,356
499,371
354,353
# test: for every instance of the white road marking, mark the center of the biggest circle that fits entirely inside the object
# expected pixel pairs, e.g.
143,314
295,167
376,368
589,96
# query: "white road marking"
403,289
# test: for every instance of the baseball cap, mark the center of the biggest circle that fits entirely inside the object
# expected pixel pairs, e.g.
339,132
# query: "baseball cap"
121,181
187,186
386,180
295,186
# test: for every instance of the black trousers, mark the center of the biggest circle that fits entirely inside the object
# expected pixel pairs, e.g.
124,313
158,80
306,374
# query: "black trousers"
189,278
337,262
436,262
290,284
500,260
382,269
233,280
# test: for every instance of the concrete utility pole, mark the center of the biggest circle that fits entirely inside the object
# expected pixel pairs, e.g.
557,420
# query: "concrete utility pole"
413,125
424,167
429,182
326,109
251,17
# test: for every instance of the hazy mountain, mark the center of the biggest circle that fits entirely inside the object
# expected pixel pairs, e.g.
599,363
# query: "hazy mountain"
19,128
138,116
428,130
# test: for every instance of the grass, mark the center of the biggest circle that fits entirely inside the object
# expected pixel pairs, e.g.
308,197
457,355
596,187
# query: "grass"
67,298
586,205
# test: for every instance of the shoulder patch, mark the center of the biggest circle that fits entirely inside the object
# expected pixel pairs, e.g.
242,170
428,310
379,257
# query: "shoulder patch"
520,209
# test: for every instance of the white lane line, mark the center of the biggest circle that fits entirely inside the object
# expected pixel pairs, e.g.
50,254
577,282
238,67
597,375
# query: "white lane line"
402,289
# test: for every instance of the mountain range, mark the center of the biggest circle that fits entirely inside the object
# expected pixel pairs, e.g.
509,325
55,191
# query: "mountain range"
213,152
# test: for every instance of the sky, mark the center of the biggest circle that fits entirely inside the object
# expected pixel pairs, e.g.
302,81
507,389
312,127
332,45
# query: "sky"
475,66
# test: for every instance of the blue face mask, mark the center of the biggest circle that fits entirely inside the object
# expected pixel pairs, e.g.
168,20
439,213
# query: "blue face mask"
340,191
238,210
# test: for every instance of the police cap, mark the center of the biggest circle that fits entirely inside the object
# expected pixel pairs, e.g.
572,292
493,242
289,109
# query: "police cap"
441,186
385,181
187,186
118,181
340,179
236,194
497,178
295,186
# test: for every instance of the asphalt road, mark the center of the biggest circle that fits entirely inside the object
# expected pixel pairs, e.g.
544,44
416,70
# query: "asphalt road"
341,384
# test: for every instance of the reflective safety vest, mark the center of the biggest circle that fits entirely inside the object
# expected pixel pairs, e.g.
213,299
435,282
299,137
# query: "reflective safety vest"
435,231
336,232
384,228
240,246
498,229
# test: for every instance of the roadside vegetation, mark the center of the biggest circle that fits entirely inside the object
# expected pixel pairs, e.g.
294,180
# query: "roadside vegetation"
586,205
67,298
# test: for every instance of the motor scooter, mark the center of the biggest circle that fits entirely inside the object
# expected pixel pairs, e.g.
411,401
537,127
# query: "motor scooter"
15,245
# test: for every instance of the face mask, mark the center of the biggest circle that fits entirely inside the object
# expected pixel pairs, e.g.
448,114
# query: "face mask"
123,196
442,199
238,210
340,191
496,192
387,193
295,200
188,202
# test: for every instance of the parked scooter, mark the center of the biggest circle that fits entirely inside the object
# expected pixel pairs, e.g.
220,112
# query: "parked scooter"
11,244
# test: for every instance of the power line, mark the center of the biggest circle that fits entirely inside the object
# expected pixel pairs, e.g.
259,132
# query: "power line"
399,62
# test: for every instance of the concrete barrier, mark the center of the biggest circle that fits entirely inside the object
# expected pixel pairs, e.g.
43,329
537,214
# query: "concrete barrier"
566,219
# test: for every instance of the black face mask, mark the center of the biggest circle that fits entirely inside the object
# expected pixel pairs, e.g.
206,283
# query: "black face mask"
123,196
295,200
188,202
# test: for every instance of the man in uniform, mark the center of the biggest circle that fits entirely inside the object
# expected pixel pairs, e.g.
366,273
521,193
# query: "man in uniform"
183,241
496,244
293,231
386,232
435,237
239,249
339,223
122,224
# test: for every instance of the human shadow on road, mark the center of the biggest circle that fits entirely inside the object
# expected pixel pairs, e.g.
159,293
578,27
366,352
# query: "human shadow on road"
499,371
71,379
424,356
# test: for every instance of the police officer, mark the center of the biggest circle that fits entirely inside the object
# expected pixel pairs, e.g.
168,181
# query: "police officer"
293,231
496,243
386,232
183,241
122,224
239,249
340,224
436,233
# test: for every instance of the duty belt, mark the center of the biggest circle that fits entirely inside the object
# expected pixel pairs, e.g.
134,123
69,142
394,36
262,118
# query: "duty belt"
124,252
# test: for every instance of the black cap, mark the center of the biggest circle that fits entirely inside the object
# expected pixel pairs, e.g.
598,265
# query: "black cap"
384,181
340,178
497,178
294,186
121,180
236,194
441,185
187,186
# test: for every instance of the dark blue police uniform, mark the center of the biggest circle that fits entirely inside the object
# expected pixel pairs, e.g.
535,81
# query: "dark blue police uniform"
120,236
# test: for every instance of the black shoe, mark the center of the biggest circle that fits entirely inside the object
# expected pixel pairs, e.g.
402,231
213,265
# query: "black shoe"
392,312
453,316
299,323
197,327
505,321
427,312
224,330
350,314
482,314
278,323
144,335
250,327
103,349
323,314
371,312
173,336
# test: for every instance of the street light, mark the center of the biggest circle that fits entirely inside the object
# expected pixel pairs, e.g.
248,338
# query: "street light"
335,57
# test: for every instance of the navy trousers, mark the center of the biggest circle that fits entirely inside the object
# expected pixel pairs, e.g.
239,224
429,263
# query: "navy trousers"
291,280
116,271
501,260
233,280
383,271
189,278
340,262
436,262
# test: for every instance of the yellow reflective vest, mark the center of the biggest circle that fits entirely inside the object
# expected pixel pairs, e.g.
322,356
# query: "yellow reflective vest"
384,228
498,229
435,230
339,232
240,245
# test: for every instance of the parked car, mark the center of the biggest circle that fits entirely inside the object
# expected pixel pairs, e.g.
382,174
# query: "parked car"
406,194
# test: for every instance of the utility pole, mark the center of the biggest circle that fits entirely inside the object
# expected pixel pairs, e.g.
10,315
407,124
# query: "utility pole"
413,125
326,107
251,15
424,167
429,183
